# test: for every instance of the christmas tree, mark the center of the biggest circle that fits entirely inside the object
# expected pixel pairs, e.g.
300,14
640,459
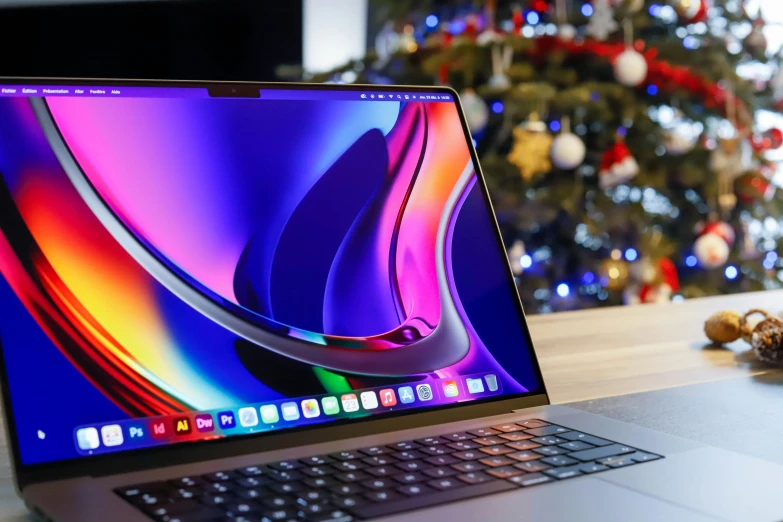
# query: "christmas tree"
620,144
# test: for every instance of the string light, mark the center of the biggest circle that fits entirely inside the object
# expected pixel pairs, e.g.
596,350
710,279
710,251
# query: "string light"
497,107
554,125
631,254
587,9
652,89
533,18
526,261
731,272
691,261
431,21
563,290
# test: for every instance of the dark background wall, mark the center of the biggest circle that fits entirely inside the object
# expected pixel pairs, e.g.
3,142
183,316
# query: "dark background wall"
204,39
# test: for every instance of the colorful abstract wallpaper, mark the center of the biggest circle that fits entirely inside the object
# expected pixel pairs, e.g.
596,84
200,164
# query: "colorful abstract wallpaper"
349,240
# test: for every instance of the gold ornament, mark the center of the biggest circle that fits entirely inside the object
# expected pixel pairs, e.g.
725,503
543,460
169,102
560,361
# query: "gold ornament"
530,152
614,274
723,327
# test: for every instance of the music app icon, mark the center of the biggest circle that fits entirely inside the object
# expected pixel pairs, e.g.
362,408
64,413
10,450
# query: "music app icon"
388,398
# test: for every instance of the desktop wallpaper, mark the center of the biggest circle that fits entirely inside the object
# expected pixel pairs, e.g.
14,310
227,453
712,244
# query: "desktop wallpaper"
352,227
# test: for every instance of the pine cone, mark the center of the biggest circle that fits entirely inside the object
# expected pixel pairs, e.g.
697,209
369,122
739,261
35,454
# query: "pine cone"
767,341
723,327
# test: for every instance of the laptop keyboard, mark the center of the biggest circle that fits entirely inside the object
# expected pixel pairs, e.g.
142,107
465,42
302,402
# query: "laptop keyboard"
384,480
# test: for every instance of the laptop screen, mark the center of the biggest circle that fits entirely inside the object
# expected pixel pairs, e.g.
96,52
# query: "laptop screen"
183,267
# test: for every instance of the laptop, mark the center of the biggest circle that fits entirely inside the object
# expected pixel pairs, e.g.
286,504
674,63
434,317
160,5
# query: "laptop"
228,302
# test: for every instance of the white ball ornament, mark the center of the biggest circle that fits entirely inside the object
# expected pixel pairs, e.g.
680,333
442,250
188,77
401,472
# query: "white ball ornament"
568,151
476,110
566,32
630,68
711,250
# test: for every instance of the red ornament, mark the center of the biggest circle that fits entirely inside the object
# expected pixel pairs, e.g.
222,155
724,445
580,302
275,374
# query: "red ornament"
471,25
540,5
517,19
776,137
617,166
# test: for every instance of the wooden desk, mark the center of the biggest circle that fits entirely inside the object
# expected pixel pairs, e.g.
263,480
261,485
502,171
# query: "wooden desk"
603,353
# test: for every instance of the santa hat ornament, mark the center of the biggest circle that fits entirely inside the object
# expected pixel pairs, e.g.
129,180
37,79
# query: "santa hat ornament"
657,282
713,245
691,11
618,166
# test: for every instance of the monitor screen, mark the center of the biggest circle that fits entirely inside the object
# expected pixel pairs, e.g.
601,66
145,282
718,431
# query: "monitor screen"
183,267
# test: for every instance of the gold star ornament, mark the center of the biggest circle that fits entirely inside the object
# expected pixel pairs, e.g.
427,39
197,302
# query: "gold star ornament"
530,151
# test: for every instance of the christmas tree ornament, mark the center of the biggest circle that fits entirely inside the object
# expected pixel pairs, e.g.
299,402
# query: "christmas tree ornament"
517,19
476,110
681,137
775,138
568,150
618,165
653,281
602,22
630,68
731,157
691,11
723,327
515,255
614,274
767,337
531,147
713,244
754,187
386,43
501,61
756,42
566,32
407,42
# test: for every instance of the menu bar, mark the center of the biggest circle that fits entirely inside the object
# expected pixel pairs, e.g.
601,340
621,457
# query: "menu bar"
201,92
287,413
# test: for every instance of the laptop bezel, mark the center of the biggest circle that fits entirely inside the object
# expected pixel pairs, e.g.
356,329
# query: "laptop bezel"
149,458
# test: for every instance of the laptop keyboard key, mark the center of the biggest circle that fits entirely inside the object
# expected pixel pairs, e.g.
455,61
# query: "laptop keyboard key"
379,483
507,428
412,465
446,483
432,441
414,490
496,462
346,455
484,432
443,460
477,477
549,440
504,472
584,437
318,471
383,460
516,436
203,515
463,445
440,472
592,467
403,446
286,488
382,496
523,445
564,473
576,445
280,514
316,461
546,430
489,441
469,466
278,501
532,423
559,460
532,466
250,471
617,462
496,450
348,502
410,478
524,456
468,455
409,455
640,456
375,451
334,515
456,437
550,451
286,465
602,452
437,450
352,476
530,479
319,482
349,465
383,471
